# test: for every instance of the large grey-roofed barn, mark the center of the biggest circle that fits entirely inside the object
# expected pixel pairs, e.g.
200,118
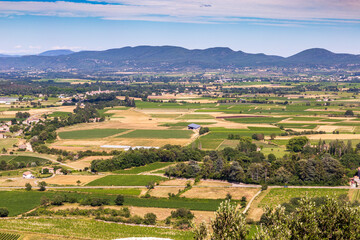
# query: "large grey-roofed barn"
193,126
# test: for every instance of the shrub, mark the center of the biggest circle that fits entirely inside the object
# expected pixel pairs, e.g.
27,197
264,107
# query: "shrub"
150,219
28,187
4,212
182,213
44,200
42,186
58,200
119,200
228,196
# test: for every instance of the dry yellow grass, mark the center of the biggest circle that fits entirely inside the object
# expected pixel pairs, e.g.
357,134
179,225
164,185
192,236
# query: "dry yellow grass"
213,183
164,192
16,182
331,128
220,192
161,213
255,212
85,162
177,182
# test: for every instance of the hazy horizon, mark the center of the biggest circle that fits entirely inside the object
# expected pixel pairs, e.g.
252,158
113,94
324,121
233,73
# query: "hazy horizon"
274,27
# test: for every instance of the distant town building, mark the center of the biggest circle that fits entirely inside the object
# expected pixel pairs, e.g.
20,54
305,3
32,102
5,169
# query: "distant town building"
4,129
98,92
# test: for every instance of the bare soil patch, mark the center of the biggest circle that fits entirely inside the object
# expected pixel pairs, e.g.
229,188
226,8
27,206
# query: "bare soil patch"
164,192
213,183
177,182
161,213
72,179
220,192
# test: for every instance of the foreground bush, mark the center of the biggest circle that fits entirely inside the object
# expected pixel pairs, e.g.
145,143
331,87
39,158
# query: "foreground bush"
229,224
333,220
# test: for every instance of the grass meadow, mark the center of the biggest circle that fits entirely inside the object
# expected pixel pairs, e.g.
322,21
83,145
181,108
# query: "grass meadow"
110,191
24,159
89,229
146,168
90,134
278,196
160,134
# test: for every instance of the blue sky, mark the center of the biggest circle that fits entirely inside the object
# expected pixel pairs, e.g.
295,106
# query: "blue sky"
281,27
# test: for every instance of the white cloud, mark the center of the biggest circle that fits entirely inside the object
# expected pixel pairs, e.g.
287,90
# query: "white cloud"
18,46
194,10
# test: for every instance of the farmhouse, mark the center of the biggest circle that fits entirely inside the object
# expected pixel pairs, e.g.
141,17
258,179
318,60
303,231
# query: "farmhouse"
28,175
193,126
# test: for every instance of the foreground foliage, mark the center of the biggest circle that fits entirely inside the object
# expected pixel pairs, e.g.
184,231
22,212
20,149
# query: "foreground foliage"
86,228
333,220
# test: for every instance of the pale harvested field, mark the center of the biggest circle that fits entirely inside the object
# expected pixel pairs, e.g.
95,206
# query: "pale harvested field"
16,182
177,182
255,212
161,213
220,192
80,145
327,136
71,179
331,128
126,119
85,162
213,183
164,192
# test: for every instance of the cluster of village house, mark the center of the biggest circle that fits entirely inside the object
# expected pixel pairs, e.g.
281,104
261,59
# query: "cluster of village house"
29,175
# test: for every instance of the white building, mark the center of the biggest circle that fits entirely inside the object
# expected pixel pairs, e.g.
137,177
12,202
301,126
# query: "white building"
28,175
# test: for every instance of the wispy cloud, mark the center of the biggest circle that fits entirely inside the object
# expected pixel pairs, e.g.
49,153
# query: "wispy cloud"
200,11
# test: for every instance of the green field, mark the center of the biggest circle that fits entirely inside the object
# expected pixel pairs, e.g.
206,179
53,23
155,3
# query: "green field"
278,196
89,229
306,119
196,116
125,191
8,142
184,124
161,134
18,202
251,120
91,133
125,180
24,159
164,115
299,125
147,168
9,236
59,114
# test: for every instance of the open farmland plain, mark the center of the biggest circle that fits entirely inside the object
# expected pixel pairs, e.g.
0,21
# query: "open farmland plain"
141,158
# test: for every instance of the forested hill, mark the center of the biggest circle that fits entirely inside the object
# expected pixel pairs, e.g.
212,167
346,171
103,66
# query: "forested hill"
169,58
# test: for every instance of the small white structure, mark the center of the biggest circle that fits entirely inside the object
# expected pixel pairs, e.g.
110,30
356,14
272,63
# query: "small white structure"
28,175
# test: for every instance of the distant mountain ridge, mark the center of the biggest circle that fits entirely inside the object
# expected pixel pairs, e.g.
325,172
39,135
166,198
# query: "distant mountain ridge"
54,53
170,58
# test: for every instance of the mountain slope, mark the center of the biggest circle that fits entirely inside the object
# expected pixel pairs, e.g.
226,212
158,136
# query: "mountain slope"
170,58
54,53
